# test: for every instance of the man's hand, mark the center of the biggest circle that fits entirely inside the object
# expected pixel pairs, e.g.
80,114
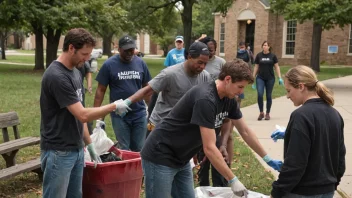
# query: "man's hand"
253,86
93,154
238,188
122,107
275,164
224,153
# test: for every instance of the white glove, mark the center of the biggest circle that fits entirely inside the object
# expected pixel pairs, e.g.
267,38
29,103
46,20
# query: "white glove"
100,123
238,188
122,106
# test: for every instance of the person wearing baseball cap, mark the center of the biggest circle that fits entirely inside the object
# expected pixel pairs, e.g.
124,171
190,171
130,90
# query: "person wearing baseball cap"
175,55
125,74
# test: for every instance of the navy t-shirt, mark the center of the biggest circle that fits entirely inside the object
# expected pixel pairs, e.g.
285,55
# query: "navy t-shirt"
177,138
266,64
125,79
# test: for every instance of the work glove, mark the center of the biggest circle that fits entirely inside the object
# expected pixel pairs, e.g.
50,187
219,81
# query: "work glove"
254,86
279,133
275,164
93,154
122,107
100,123
238,188
281,82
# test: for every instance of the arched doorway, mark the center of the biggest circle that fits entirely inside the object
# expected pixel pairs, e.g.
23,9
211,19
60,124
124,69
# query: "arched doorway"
246,30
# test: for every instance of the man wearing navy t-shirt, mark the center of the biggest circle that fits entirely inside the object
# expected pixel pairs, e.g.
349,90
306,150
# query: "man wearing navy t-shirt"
125,74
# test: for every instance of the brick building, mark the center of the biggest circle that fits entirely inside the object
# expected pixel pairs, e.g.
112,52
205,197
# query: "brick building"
252,22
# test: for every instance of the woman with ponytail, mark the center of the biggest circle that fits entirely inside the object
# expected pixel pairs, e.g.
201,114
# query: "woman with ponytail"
314,148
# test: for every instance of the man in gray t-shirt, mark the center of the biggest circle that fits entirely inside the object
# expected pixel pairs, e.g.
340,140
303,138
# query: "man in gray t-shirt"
173,82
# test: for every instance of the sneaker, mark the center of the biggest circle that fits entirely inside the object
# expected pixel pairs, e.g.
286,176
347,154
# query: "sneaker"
267,116
261,116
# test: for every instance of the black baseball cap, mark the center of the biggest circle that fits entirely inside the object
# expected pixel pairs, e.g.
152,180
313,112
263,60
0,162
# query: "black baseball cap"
198,48
127,42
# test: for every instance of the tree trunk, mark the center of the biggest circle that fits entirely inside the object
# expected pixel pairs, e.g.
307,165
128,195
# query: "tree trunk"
2,45
315,55
52,44
17,40
107,39
39,50
187,22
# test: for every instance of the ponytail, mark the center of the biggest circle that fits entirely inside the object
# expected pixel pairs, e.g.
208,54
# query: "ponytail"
324,93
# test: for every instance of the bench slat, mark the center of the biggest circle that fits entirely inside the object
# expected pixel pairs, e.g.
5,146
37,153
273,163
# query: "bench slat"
17,144
19,168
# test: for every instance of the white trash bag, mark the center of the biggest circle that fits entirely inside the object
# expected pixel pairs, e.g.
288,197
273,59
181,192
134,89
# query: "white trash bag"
100,140
222,192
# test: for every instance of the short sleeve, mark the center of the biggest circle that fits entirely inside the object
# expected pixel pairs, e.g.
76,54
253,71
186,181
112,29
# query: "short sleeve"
146,77
257,59
103,76
235,112
64,92
159,82
87,67
167,60
204,114
275,59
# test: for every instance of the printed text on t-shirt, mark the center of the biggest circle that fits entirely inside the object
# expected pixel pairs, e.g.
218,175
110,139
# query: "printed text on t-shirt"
128,75
219,119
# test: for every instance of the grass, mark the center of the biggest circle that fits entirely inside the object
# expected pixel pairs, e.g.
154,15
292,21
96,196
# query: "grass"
20,92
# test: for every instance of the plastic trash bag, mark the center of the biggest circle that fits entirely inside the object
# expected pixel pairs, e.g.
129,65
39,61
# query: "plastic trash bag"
100,140
222,192
109,157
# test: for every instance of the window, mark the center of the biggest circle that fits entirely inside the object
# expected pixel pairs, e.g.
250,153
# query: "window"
222,39
289,36
350,41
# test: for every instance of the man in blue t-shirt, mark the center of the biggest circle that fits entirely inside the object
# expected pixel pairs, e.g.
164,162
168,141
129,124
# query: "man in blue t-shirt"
125,74
176,55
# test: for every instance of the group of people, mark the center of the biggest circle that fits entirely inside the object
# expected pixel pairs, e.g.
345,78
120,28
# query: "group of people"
196,107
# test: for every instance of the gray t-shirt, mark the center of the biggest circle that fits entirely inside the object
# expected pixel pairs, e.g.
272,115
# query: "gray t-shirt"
214,66
172,83
59,129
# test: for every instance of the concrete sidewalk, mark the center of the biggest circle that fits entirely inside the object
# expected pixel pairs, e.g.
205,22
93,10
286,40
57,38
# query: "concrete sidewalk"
280,114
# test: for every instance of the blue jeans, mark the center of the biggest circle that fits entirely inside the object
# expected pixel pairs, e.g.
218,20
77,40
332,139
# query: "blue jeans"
130,133
327,195
268,85
162,181
63,173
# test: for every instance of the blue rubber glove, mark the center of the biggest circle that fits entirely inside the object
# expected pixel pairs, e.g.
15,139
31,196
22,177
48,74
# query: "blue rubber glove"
281,82
122,107
275,164
279,133
254,86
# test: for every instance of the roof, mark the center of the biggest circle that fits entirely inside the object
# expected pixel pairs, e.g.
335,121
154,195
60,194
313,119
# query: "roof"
265,2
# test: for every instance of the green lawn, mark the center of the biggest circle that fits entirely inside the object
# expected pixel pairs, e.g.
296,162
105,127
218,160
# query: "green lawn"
20,91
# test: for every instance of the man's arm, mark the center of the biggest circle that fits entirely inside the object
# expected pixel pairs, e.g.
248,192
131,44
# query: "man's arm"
90,114
89,81
145,92
148,95
225,131
86,135
249,136
99,95
213,153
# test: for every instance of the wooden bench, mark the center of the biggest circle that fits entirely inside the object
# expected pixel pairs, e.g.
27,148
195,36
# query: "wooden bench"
9,148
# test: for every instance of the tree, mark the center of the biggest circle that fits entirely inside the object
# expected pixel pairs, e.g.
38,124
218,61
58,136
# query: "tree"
51,18
10,17
326,14
185,7
107,18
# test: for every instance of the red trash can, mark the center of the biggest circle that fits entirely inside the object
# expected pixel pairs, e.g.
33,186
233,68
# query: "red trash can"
122,179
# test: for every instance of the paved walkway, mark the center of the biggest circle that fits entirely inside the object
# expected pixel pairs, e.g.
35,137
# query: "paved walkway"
280,114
